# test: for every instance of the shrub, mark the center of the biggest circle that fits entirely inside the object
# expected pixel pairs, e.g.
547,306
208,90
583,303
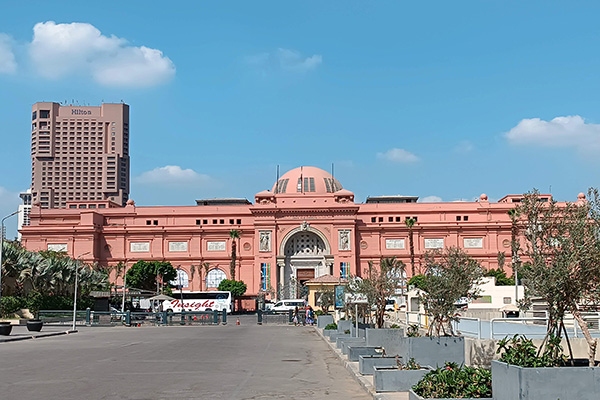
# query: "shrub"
453,381
331,326
410,365
10,305
413,331
394,326
522,352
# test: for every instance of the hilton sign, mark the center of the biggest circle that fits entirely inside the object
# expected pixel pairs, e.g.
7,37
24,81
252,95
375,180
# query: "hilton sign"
80,112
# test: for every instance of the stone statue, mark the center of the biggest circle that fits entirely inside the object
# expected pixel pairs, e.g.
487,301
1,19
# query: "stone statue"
265,241
344,240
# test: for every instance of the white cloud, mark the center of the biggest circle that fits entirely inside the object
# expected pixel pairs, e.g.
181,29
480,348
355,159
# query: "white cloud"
570,131
8,65
398,156
172,175
464,147
58,50
285,59
292,60
430,199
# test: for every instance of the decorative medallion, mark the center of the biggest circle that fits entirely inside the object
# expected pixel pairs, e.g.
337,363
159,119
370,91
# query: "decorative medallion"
363,245
247,246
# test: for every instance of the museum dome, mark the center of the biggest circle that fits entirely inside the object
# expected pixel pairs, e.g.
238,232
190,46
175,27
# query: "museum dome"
309,180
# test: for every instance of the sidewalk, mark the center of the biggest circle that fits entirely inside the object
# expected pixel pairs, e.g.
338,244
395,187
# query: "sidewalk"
20,332
365,381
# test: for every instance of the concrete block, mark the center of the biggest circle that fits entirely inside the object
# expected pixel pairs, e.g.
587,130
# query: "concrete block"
397,380
366,363
334,336
390,339
434,351
356,350
344,343
324,320
344,325
511,382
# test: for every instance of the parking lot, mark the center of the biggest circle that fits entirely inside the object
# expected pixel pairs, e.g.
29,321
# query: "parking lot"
179,362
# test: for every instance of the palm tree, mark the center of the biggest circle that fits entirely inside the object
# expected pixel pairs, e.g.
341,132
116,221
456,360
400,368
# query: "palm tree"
233,234
410,222
206,267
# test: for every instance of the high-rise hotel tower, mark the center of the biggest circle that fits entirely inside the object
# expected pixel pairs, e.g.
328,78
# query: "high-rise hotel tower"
79,154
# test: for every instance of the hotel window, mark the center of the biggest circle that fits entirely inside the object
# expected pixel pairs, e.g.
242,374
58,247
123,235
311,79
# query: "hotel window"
44,113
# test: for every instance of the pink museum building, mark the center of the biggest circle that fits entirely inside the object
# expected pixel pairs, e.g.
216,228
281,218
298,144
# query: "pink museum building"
306,226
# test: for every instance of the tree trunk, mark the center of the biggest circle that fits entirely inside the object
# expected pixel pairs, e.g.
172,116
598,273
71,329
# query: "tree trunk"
592,343
412,251
233,257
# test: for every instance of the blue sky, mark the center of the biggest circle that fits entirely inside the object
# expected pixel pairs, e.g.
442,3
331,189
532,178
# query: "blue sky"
444,100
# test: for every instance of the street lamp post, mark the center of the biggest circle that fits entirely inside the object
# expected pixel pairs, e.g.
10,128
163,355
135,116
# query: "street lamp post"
76,284
2,245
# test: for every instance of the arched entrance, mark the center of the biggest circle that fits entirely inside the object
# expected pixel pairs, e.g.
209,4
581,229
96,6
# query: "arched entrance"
304,254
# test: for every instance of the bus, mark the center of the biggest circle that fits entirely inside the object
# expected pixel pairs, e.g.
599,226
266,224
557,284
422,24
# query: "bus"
200,301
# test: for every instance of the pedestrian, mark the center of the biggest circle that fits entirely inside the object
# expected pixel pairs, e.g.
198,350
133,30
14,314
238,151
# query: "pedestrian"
310,315
295,319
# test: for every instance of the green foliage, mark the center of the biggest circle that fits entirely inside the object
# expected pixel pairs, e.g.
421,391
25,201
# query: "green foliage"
36,301
394,326
410,365
413,331
234,235
331,326
417,281
501,278
453,381
237,288
142,275
450,276
325,298
521,351
347,331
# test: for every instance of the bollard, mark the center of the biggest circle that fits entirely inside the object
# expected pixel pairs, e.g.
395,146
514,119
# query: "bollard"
88,313
259,314
182,322
290,316
216,317
128,318
164,318
224,317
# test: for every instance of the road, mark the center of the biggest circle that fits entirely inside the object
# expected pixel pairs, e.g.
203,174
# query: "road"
190,362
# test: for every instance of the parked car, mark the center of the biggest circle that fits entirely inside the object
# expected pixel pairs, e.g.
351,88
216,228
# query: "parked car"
288,304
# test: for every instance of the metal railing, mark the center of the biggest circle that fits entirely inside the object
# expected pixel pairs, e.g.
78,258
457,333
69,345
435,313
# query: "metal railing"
278,318
476,332
521,320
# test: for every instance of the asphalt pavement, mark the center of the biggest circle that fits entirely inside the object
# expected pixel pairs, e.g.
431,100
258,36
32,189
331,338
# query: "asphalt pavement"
244,361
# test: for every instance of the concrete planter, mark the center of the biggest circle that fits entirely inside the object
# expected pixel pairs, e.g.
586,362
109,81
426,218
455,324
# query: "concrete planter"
355,351
434,351
511,382
413,396
390,339
34,325
343,343
324,320
397,380
366,363
328,332
334,336
345,325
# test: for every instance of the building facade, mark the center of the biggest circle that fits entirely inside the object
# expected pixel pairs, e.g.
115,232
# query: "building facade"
307,226
79,154
24,211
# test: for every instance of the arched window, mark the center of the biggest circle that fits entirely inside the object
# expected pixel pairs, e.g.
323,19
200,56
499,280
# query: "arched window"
214,277
181,279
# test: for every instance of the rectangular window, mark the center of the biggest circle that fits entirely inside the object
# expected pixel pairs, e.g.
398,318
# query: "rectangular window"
344,267
205,221
465,218
390,219
398,219
265,275
312,184
44,113
373,219
198,222
231,221
239,221
299,185
148,222
214,221
458,217
380,219
222,221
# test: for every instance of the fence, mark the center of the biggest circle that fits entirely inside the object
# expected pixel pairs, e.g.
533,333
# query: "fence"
277,318
106,318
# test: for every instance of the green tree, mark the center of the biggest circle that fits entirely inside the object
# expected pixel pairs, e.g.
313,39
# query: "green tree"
410,223
417,281
378,284
501,278
325,298
234,235
450,275
563,249
237,288
143,274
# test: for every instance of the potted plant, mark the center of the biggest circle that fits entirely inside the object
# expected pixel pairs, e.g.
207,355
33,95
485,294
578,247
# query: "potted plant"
399,378
34,325
454,382
525,372
5,328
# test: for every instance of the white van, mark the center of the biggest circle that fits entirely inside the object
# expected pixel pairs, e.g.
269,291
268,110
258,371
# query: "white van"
288,304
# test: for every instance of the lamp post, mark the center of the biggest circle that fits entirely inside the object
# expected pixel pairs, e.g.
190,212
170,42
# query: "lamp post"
76,284
2,245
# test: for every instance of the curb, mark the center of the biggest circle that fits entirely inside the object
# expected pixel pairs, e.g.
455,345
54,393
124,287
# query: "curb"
39,336
365,382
